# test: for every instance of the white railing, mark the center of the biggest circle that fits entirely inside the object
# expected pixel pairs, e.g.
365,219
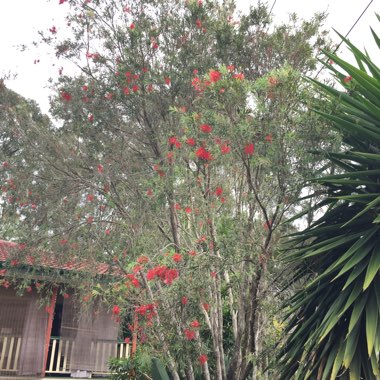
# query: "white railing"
9,353
61,352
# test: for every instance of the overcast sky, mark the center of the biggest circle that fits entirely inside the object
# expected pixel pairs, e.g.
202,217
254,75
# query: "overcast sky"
20,21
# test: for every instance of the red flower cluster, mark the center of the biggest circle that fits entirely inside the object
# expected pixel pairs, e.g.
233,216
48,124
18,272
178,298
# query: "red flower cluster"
203,359
146,310
184,300
215,76
239,76
205,128
116,310
249,149
163,273
347,79
218,191
195,324
134,281
177,257
190,334
173,141
203,154
66,96
190,141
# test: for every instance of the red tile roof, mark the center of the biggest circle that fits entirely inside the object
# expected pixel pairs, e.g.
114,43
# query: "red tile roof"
9,249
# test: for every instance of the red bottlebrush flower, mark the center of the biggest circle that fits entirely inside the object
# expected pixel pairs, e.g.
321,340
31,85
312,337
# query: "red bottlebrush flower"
177,257
155,45
90,197
190,141
213,274
177,206
14,263
100,169
107,231
206,306
136,283
268,138
85,88
230,68
170,157
273,81
205,128
189,334
225,149
249,149
267,225
149,88
53,30
29,289
184,300
173,141
108,96
347,79
215,76
167,81
66,296
90,117
200,2
239,76
126,91
136,76
6,284
198,23
143,259
135,88
145,69
149,192
151,274
195,71
195,324
170,276
66,96
127,340
203,154
218,191
62,1
188,210
132,26
116,310
203,359
192,253
3,272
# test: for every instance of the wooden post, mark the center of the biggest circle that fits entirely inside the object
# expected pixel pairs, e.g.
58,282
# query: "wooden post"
49,326
134,335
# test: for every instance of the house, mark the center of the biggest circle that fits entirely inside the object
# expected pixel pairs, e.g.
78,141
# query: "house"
60,338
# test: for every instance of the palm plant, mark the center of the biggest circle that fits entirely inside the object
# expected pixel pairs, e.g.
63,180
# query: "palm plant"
333,322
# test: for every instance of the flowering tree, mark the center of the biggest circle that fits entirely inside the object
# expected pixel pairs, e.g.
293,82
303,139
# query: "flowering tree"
181,149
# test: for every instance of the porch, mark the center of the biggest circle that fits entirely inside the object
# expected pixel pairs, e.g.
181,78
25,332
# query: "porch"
60,356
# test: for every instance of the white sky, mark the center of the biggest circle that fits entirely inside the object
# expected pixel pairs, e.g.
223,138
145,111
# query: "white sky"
20,21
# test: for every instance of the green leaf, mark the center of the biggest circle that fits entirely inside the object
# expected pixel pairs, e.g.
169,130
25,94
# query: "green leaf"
373,266
372,316
351,344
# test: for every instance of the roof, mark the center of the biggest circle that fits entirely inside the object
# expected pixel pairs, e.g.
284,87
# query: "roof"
11,251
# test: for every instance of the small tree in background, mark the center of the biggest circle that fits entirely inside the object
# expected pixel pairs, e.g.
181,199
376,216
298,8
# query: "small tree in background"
333,323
